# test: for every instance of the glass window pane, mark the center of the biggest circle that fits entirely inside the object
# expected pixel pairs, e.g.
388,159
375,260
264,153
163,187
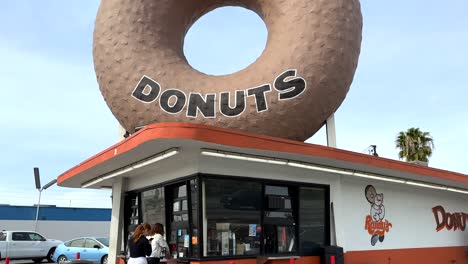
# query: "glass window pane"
91,243
77,243
35,237
279,220
194,200
176,206
184,205
153,206
103,240
276,190
233,217
312,218
179,227
182,191
286,239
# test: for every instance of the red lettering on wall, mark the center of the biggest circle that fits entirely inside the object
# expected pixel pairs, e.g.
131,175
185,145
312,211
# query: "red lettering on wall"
455,221
379,227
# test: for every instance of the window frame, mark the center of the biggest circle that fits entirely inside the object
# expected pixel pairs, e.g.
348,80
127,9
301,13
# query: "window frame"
199,178
295,207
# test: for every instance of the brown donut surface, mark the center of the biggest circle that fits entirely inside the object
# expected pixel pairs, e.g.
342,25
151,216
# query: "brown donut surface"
300,79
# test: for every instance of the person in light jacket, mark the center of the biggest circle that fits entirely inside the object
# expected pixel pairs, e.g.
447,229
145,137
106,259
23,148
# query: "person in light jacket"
158,244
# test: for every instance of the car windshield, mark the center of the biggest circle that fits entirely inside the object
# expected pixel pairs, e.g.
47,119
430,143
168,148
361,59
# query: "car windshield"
103,240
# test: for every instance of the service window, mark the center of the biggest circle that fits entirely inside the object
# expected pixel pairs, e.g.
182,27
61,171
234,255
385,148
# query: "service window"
279,220
253,217
312,219
232,217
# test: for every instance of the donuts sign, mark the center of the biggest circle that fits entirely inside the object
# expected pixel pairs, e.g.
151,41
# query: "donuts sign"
300,79
173,101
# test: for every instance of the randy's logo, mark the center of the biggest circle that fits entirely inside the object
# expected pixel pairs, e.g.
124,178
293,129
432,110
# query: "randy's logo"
375,223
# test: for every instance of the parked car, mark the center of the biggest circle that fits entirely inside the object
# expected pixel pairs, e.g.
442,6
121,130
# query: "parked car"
94,249
26,245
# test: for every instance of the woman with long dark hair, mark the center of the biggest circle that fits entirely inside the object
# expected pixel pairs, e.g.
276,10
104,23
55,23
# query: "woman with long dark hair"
139,246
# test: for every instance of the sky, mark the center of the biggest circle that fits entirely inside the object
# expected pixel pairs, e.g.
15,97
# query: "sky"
412,72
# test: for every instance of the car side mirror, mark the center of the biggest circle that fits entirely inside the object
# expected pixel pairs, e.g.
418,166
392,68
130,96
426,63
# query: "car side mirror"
43,239
96,246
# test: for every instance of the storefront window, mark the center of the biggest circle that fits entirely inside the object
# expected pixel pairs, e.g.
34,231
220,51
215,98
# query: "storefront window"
239,217
279,220
194,200
153,206
232,215
312,215
179,240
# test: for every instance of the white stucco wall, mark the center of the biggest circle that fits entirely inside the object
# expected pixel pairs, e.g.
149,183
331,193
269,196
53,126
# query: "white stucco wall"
407,208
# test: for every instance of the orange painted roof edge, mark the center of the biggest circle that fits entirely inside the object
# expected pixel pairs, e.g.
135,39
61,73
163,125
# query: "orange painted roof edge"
242,139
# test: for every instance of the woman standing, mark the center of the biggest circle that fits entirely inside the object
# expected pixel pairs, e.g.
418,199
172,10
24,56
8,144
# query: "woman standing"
139,246
158,244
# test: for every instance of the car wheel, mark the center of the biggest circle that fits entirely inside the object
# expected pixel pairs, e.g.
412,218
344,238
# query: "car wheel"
104,260
37,260
50,255
61,259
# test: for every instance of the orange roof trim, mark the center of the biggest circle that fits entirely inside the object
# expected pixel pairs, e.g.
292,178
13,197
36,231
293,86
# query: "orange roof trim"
241,139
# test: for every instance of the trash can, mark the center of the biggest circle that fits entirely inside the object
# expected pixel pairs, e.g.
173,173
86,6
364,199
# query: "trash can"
332,255
78,261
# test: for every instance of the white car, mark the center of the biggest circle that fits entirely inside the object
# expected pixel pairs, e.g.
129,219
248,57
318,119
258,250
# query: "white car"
26,245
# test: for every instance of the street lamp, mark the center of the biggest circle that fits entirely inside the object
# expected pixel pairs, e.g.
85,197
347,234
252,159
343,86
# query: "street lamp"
40,189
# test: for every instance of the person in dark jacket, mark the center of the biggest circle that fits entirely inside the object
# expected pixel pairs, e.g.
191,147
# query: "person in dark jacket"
139,246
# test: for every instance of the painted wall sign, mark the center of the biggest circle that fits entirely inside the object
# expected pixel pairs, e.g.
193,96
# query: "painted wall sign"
173,101
375,224
450,221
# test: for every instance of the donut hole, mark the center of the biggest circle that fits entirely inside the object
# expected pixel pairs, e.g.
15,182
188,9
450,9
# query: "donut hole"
225,40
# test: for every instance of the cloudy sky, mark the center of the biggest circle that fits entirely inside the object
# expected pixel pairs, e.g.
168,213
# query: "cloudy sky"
413,72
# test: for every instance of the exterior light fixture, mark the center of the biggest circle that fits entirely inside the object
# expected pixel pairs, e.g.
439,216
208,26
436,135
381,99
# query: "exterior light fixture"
457,190
161,156
142,163
231,155
375,177
318,168
309,166
427,185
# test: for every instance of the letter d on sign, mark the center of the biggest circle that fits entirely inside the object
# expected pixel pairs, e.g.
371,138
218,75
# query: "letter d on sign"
146,90
436,210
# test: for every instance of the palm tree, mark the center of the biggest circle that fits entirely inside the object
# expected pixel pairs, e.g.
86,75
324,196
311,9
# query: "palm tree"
414,145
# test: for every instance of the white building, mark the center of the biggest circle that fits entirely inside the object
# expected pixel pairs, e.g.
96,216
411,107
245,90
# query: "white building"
62,223
230,195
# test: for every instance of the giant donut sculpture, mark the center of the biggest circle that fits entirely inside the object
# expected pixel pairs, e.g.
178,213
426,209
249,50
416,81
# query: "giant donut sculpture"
300,79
